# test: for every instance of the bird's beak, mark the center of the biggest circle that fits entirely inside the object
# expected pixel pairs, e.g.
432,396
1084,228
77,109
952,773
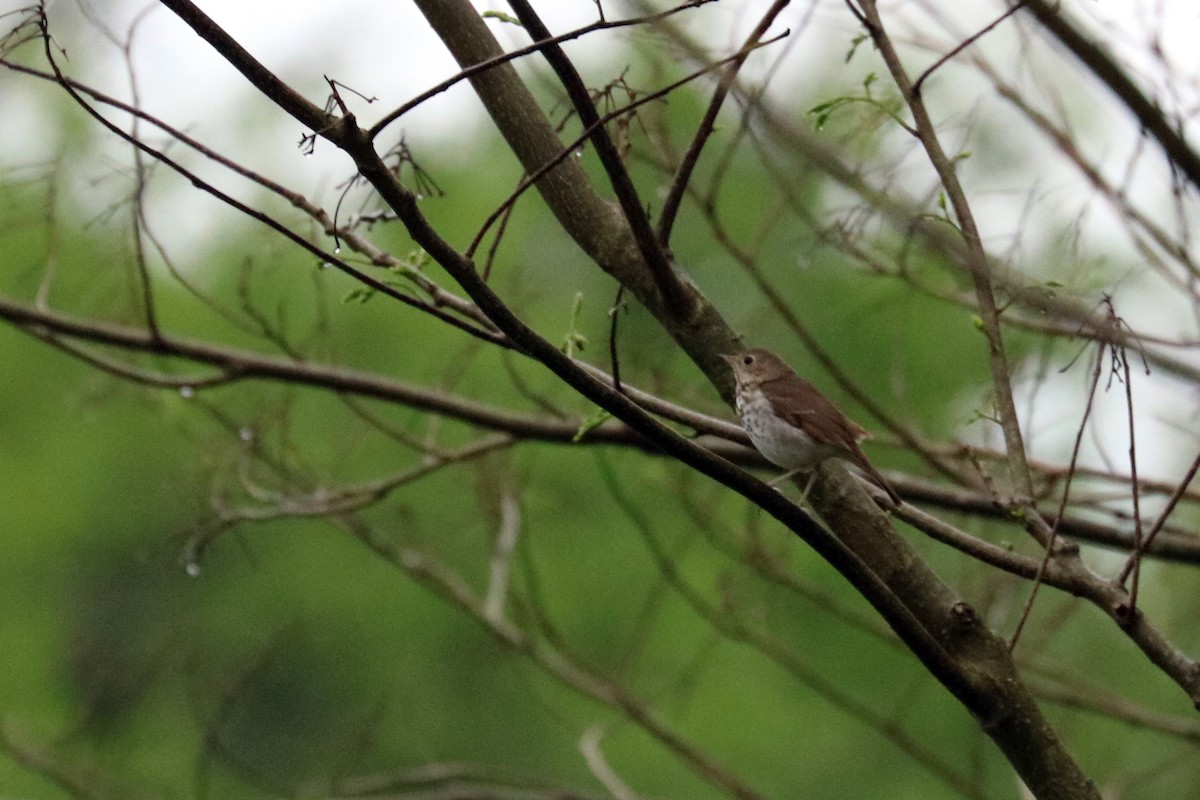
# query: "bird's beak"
729,359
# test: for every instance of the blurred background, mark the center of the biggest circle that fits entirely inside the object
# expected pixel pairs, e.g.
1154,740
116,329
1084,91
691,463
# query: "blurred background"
184,614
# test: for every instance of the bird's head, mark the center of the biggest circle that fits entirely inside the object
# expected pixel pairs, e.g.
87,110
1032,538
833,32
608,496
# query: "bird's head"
751,367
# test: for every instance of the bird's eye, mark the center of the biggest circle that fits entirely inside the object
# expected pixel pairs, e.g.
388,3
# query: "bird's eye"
747,360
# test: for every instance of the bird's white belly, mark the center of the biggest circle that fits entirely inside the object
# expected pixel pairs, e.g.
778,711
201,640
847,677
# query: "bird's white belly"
781,443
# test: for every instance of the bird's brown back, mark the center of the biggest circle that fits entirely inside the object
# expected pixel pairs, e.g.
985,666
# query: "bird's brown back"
798,402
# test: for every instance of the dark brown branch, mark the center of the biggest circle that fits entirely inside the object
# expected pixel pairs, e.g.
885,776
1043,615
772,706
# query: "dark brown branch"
235,365
677,300
691,157
521,52
564,154
325,256
438,296
310,116
1152,118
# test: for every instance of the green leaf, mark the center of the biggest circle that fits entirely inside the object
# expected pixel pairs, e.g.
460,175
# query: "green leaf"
574,341
500,15
360,295
854,43
823,111
598,418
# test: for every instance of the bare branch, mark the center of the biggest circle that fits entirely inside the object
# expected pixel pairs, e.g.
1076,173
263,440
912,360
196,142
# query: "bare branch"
1149,115
677,299
521,52
683,175
977,267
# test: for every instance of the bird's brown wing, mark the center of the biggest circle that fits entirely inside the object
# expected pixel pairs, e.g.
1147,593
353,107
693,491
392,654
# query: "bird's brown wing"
798,402
803,406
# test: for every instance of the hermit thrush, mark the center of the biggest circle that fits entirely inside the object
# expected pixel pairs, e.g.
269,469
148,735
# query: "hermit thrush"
791,423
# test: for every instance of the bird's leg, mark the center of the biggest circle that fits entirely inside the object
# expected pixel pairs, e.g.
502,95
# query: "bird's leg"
782,478
803,499
812,477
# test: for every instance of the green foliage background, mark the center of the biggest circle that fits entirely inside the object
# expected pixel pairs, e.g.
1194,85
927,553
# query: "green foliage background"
297,658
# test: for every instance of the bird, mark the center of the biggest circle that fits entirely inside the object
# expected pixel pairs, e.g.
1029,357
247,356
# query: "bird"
790,422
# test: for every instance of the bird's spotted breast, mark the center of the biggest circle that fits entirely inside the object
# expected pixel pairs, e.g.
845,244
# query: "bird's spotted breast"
782,443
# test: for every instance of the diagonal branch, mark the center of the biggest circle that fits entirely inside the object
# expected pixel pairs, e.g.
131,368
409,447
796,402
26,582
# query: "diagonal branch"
593,223
976,262
677,300
438,296
521,52
704,130
1152,118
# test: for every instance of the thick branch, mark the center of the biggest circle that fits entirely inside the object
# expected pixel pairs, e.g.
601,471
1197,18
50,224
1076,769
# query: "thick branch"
677,300
597,226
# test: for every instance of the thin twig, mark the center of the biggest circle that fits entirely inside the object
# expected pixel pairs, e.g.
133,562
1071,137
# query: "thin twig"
492,63
978,267
614,314
963,45
1138,538
1162,518
1062,503
691,156
677,300
533,177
